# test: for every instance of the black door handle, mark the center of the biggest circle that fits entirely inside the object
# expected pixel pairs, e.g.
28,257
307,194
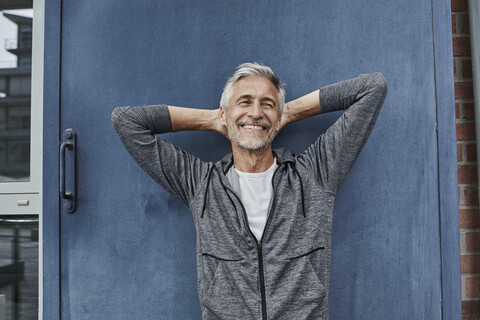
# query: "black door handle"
69,197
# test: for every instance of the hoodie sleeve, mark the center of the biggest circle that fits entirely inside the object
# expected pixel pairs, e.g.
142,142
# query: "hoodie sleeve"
178,172
330,158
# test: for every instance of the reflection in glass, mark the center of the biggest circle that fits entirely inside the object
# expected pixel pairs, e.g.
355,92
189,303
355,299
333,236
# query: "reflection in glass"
15,91
19,118
18,267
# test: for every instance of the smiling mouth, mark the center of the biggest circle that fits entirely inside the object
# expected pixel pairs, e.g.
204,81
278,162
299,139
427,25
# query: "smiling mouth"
253,127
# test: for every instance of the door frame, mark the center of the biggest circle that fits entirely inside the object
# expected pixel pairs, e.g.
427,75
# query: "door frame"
446,144
51,137
447,160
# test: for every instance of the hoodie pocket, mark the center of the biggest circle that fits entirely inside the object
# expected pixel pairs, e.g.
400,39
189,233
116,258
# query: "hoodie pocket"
210,266
297,288
319,247
315,261
224,294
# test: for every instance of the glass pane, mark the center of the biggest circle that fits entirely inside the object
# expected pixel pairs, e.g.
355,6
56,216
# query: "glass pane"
25,36
15,91
19,118
18,267
3,153
18,153
3,118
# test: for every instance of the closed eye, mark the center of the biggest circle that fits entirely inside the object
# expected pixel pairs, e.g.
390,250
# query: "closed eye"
269,103
244,103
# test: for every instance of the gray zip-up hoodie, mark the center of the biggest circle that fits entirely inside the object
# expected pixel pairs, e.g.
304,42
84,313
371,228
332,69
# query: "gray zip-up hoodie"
286,274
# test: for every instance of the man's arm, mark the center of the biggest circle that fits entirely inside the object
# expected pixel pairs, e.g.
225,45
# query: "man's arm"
301,108
196,119
178,172
330,158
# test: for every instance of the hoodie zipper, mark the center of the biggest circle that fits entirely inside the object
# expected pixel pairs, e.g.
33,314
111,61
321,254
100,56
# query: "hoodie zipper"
259,243
262,281
260,258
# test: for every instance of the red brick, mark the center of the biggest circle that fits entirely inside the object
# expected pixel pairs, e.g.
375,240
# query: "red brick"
465,131
472,286
472,242
468,110
470,309
465,23
471,152
459,152
464,90
467,68
471,196
459,5
469,218
461,46
460,193
457,110
470,263
455,67
467,173
454,23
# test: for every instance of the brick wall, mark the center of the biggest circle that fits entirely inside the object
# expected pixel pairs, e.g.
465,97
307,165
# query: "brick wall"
467,162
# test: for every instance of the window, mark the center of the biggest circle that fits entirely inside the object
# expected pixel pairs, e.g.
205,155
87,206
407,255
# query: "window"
20,161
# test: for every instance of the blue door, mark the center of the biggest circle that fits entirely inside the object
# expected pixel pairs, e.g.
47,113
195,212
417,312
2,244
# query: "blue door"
128,250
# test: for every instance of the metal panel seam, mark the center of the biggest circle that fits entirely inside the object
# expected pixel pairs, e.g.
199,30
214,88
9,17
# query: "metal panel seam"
437,158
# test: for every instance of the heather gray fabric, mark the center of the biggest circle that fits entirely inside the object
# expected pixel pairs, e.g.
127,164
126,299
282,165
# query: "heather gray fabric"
286,274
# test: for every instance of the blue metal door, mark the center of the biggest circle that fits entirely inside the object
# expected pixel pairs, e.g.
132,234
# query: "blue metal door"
128,251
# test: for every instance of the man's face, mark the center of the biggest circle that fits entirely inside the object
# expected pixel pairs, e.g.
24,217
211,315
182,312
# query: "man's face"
252,118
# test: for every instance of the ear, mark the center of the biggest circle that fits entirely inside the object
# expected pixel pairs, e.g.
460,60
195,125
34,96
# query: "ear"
222,116
278,125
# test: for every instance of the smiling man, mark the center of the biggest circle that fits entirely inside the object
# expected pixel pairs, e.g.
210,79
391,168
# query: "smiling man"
252,121
263,217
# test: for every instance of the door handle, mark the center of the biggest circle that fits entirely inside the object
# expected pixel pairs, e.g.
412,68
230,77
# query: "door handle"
69,197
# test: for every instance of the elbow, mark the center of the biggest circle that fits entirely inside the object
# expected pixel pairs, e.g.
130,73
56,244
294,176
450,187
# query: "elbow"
117,115
378,82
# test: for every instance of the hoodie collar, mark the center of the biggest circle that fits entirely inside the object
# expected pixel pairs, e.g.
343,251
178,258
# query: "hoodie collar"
281,154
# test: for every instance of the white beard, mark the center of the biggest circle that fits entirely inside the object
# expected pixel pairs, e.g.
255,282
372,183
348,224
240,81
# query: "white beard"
251,140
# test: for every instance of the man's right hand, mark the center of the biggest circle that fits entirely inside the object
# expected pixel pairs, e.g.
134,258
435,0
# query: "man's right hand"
217,124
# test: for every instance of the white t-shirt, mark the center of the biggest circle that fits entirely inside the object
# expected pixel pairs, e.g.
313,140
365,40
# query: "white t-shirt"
255,192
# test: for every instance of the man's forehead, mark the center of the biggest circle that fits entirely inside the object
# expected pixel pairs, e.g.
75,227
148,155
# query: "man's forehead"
254,84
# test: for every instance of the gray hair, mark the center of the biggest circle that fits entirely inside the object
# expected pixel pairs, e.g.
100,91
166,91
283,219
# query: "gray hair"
253,69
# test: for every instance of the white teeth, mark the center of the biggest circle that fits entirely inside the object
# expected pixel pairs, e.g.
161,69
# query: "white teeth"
249,126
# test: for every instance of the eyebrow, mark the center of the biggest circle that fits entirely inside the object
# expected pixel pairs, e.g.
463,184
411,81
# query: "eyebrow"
245,96
248,96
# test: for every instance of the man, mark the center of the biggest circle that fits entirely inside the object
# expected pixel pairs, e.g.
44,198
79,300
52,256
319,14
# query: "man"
263,217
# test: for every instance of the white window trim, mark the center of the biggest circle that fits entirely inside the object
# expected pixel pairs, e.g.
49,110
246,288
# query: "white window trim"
12,192
36,164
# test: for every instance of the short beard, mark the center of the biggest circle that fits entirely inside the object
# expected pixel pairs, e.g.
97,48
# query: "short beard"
251,144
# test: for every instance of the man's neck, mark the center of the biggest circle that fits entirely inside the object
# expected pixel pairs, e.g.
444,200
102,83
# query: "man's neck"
252,161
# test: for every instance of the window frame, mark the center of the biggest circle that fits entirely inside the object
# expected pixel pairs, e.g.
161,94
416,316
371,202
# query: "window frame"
13,194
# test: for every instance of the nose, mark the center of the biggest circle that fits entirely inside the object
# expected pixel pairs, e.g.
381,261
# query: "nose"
256,111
